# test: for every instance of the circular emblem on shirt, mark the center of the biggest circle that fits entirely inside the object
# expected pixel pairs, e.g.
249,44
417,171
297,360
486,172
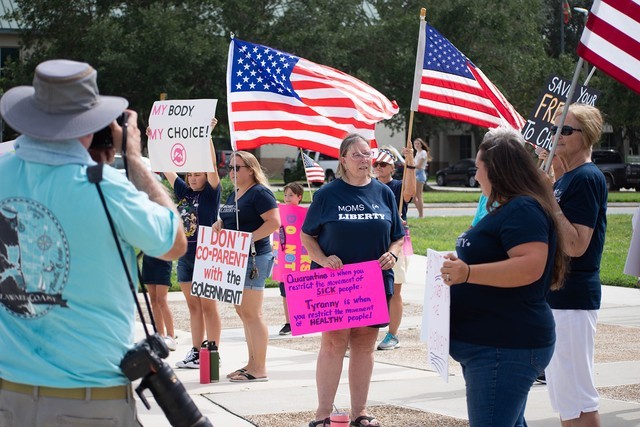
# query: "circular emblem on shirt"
34,258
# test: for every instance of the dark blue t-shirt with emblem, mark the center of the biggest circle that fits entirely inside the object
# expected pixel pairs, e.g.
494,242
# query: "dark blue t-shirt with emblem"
505,317
196,208
396,186
256,201
582,195
355,223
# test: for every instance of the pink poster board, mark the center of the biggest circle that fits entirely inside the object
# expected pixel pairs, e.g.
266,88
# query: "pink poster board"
328,300
288,251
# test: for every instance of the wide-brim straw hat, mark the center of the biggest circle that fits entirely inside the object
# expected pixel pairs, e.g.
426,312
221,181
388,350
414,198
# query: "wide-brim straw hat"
63,103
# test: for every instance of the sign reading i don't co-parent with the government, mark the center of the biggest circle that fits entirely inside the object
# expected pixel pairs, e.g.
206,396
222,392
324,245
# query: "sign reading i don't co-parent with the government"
221,264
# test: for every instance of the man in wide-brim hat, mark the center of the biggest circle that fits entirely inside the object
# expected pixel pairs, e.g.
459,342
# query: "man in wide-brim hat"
67,315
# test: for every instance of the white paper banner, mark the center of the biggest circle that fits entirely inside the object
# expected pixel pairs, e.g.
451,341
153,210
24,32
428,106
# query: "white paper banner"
179,132
221,264
436,315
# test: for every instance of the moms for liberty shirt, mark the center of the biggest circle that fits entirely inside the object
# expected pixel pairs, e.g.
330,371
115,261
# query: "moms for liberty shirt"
355,223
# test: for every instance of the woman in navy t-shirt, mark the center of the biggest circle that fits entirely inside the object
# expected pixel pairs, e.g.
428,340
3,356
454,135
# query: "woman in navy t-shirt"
253,208
502,329
352,219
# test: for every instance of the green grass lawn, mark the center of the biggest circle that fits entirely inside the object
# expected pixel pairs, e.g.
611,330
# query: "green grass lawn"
440,233
473,196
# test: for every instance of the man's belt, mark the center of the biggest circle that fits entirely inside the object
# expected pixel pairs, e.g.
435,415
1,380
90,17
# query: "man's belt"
88,393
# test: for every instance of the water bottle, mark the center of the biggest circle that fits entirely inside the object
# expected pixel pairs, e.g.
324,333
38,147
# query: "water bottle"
214,363
205,363
407,246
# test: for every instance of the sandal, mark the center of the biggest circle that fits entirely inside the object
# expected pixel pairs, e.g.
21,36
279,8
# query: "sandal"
320,423
236,372
358,421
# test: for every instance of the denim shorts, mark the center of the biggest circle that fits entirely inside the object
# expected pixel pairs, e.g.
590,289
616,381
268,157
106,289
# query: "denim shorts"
498,381
421,175
185,265
264,264
156,271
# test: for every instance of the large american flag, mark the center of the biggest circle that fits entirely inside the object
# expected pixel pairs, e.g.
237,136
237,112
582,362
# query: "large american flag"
611,40
314,171
447,84
278,98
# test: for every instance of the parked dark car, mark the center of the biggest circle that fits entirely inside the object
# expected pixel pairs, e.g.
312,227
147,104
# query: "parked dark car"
461,172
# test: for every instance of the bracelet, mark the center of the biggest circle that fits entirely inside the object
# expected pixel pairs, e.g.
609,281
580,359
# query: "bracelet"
393,255
468,273
410,167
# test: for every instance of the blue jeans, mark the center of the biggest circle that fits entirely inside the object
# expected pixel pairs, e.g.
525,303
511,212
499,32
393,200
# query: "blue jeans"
498,381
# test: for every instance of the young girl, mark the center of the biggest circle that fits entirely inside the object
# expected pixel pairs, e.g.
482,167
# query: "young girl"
422,159
292,196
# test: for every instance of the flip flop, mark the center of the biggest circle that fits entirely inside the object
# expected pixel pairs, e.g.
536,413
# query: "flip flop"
358,421
236,372
246,377
320,423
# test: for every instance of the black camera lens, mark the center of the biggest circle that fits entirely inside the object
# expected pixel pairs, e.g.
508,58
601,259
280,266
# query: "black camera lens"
173,398
103,138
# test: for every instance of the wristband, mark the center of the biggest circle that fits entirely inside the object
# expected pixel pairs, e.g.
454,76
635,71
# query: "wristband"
394,256
410,167
468,273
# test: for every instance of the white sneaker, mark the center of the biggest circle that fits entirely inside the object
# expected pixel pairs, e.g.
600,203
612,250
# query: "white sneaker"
170,342
191,361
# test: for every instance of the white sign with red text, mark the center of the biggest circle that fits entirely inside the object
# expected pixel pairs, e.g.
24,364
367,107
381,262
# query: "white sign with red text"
221,264
179,135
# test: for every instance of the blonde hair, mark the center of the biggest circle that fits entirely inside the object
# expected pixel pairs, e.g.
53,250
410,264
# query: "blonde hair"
425,147
591,122
252,164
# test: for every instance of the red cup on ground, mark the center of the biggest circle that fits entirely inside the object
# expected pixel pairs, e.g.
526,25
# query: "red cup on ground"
339,419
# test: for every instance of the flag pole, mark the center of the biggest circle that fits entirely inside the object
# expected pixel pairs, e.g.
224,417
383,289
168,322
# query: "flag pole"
565,111
305,175
417,79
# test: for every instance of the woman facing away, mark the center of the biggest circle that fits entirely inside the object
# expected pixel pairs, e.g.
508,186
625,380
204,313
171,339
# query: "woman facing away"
502,330
422,159
252,207
332,240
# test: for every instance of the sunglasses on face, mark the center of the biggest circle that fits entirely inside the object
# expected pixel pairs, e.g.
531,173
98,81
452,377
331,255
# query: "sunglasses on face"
565,131
380,164
238,167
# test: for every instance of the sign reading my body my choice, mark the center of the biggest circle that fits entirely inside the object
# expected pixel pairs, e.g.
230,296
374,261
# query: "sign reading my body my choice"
327,300
179,135
221,264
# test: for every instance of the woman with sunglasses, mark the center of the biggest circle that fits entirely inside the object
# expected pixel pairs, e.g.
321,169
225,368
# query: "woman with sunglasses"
383,168
581,194
198,198
252,207
332,239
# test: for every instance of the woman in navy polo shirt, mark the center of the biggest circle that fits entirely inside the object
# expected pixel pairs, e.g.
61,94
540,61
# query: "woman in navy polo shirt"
502,329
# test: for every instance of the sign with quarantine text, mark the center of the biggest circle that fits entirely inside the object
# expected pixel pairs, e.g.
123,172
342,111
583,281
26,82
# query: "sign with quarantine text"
221,264
327,300
179,135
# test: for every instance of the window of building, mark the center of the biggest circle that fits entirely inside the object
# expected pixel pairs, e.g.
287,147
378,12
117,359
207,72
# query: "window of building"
5,54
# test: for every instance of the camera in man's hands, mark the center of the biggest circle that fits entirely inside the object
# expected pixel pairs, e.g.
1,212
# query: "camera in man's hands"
104,138
144,361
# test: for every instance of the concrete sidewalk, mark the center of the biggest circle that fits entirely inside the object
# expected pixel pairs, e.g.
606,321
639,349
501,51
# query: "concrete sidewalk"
292,375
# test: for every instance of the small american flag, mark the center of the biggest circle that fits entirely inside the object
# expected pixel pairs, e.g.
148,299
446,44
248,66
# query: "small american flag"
314,171
611,40
447,84
278,98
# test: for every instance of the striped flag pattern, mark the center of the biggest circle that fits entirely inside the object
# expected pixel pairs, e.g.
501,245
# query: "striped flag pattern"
611,40
278,98
314,171
447,84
